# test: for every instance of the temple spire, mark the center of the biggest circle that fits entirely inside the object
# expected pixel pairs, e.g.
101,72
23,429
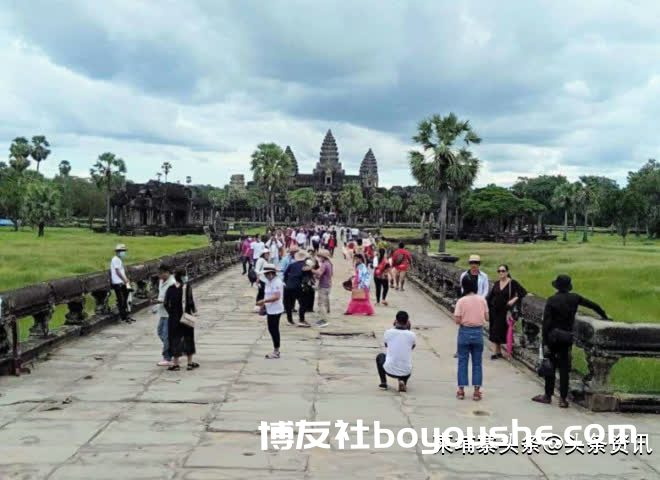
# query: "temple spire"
369,170
289,152
329,153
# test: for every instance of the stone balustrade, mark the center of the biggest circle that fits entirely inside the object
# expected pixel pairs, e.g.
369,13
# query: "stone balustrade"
604,342
39,301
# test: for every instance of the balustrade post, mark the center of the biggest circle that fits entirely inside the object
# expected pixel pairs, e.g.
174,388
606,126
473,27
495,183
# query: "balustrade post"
101,299
142,289
599,366
76,314
530,337
40,326
5,344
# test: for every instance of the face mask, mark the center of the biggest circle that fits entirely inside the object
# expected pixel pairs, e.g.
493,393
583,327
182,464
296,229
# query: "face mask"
122,254
185,279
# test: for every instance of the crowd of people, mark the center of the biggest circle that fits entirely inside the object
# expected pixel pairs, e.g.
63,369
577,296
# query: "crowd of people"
292,270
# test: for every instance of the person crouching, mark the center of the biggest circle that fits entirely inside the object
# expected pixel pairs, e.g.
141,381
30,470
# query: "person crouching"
397,362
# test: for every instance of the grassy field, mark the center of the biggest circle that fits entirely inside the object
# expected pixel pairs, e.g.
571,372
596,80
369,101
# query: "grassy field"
622,279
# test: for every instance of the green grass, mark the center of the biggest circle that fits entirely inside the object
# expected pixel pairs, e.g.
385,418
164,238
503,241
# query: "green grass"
622,279
27,259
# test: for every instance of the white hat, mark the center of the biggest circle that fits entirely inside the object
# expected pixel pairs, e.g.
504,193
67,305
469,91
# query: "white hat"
120,247
269,267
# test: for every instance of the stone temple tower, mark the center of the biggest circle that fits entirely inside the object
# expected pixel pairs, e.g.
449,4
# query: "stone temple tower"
369,171
289,152
328,171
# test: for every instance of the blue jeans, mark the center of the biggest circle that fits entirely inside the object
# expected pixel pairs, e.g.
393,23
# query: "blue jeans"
162,334
470,344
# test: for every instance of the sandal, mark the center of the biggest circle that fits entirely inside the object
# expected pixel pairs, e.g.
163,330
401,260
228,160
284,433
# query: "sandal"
192,366
174,368
273,355
460,394
476,396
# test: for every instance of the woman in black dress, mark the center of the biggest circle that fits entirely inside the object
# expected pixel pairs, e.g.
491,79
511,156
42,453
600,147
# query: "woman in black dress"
505,296
181,337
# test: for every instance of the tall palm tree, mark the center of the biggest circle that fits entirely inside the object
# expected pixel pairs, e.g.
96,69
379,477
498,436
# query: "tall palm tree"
586,198
433,166
563,197
394,205
64,168
351,200
108,174
461,175
271,168
166,167
19,154
40,149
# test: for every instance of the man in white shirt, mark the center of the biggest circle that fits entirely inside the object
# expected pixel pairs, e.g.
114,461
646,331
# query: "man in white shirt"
397,362
165,282
273,245
119,282
301,238
257,249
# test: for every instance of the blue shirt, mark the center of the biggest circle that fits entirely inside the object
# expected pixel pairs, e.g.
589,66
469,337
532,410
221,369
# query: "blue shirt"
293,275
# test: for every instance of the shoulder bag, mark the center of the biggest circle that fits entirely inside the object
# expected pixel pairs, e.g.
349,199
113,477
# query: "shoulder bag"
544,366
187,318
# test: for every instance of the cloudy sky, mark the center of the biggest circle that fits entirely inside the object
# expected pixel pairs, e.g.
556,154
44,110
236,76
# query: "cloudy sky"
551,86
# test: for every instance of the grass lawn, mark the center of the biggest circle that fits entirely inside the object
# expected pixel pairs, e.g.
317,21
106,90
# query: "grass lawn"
622,279
27,259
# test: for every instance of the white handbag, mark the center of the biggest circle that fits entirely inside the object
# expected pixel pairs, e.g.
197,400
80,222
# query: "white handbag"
187,318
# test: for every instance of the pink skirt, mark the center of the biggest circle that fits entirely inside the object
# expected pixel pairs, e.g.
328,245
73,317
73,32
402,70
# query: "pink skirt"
360,307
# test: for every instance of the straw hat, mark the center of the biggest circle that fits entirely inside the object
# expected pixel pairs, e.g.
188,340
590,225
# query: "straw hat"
120,247
323,253
563,283
300,256
474,258
269,267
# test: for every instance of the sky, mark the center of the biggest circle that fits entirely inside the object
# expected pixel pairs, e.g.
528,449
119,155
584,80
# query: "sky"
552,87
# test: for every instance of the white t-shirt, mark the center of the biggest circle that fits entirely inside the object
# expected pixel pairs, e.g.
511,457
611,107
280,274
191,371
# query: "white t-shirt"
272,287
162,290
316,238
257,249
301,238
116,264
259,268
398,359
355,232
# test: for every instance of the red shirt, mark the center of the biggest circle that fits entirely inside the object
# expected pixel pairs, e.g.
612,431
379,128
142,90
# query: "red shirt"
406,259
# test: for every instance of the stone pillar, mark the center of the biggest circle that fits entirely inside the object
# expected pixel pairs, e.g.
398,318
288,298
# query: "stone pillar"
530,337
76,314
599,366
142,289
40,326
101,299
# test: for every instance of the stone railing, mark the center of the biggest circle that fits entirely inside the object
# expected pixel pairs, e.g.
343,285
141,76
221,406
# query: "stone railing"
604,342
39,301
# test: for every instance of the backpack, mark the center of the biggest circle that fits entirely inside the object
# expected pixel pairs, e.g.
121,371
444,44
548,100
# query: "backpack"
399,259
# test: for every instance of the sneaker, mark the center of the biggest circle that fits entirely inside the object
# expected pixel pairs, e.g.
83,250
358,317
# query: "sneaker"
383,386
164,363
304,325
402,386
321,323
542,399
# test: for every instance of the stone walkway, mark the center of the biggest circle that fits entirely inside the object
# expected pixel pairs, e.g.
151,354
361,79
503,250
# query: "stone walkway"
99,407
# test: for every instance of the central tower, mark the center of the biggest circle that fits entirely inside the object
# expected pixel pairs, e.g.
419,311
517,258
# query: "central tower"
328,171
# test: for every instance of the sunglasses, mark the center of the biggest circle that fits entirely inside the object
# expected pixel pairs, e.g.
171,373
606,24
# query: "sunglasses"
501,271
474,263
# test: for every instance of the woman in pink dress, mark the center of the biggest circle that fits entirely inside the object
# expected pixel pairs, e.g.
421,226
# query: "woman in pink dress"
361,281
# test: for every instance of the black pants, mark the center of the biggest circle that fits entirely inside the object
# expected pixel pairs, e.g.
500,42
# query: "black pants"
246,261
261,293
381,285
121,292
380,361
290,297
560,356
274,329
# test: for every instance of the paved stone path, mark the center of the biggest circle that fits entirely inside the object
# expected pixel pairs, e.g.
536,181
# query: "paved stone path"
99,407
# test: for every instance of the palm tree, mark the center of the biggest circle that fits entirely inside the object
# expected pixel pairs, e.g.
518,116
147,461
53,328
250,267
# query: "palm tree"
461,175
433,167
394,205
351,200
159,176
256,202
419,204
42,204
563,197
271,169
40,149
108,174
19,154
303,200
378,204
586,198
166,167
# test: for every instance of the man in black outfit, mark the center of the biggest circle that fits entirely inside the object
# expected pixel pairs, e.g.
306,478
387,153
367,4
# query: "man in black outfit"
558,320
293,279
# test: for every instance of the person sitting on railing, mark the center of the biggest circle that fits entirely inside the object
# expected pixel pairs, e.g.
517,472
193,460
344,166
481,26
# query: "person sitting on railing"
558,320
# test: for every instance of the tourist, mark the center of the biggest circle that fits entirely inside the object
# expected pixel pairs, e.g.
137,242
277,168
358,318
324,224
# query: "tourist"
325,239
273,301
401,262
166,280
470,313
301,238
504,302
316,241
274,245
119,282
355,233
258,247
179,300
308,292
369,252
332,243
259,268
382,268
293,277
474,273
397,362
324,275
246,253
558,320
360,303
286,260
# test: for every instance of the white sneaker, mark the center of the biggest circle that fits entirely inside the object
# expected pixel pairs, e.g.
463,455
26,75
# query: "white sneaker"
164,363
